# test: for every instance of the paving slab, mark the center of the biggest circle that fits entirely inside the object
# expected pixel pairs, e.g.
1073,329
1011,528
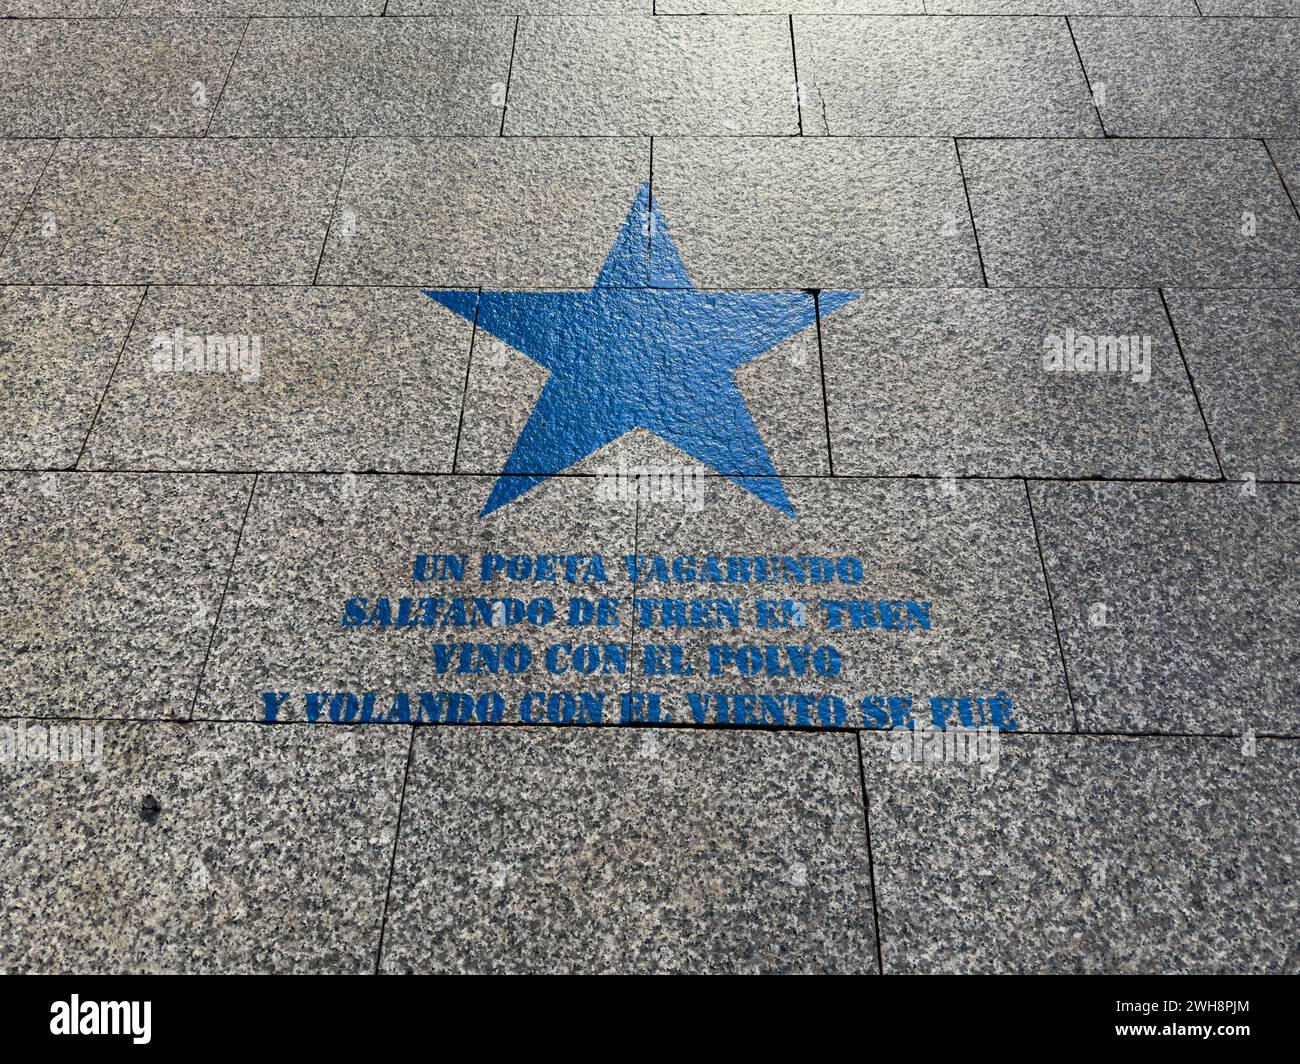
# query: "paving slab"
134,211
1286,153
1061,7
787,7
1253,8
1131,213
566,851
500,212
1087,855
21,163
1178,604
906,590
816,213
941,77
58,347
304,618
1244,352
368,77
56,8
958,382
1192,77
269,378
113,77
627,76
199,848
114,582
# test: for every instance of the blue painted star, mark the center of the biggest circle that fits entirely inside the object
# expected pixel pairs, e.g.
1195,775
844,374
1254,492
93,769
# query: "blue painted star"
642,349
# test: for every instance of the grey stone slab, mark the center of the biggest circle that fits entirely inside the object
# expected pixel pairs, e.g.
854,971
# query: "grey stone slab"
620,76
287,625
200,848
1257,8
786,7
130,211
368,77
1131,213
1178,604
782,389
962,553
1286,153
58,347
1087,855
637,852
496,212
21,163
1193,77
957,382
1244,352
802,212
519,7
113,586
941,77
1061,7
104,77
272,378
268,8
57,8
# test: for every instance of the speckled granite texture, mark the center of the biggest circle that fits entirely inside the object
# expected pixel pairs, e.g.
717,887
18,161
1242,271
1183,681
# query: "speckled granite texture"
649,486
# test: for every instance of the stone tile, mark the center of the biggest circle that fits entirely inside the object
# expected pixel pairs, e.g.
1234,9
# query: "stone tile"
962,554
21,163
1244,352
1276,8
57,8
1131,213
102,77
1286,153
786,7
641,76
301,378
200,848
1086,854
1178,604
941,77
114,581
1062,7
58,347
1193,77
369,77
955,382
782,390
641,852
834,213
519,7
177,212
496,212
312,545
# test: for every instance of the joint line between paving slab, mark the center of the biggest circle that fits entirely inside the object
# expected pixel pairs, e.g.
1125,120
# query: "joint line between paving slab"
1187,368
221,603
798,90
32,194
464,394
510,70
334,210
970,210
1281,177
871,864
1051,605
821,365
109,383
392,862
1086,80
229,70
